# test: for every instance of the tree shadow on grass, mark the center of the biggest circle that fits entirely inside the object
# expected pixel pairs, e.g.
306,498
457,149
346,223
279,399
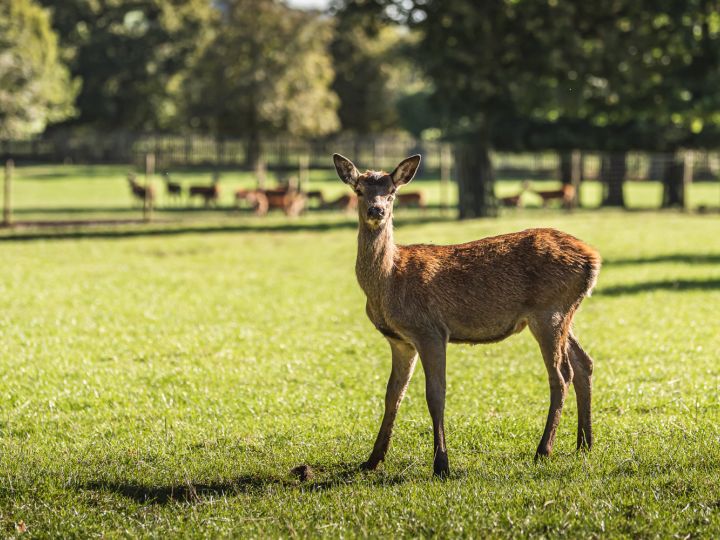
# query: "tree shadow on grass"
665,285
686,258
172,230
325,478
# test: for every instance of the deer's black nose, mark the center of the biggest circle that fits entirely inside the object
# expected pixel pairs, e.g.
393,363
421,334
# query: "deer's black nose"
376,212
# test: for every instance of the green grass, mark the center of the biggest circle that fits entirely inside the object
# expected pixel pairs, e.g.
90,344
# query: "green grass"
67,192
164,384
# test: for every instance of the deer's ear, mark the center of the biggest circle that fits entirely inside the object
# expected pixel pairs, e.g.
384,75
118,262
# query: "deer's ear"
347,172
405,172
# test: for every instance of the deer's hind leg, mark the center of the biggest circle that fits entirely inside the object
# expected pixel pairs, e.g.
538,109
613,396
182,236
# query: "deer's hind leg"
433,355
582,365
404,358
550,331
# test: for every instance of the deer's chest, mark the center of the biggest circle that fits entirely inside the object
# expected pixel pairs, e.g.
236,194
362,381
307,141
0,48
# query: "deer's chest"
375,313
378,316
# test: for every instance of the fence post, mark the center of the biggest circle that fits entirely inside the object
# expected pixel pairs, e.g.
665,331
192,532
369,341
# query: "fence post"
445,166
687,177
7,203
148,201
303,171
575,176
261,172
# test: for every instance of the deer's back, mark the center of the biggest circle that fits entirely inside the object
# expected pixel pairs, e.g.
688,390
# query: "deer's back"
481,289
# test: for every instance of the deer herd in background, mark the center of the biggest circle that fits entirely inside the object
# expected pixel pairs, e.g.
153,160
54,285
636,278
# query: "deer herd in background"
293,201
286,197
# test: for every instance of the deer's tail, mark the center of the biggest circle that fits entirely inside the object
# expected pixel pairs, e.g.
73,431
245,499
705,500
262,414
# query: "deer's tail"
592,270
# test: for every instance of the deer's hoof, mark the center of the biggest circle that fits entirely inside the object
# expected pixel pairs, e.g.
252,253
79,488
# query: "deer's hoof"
441,466
369,465
541,454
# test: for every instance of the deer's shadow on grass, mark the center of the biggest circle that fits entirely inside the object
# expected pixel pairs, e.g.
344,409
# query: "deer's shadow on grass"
328,478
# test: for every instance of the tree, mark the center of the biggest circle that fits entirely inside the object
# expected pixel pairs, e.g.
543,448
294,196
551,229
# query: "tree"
35,86
649,73
491,64
610,75
266,71
373,70
131,56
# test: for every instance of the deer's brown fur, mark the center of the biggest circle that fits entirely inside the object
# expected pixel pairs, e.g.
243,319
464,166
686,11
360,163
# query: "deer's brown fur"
422,297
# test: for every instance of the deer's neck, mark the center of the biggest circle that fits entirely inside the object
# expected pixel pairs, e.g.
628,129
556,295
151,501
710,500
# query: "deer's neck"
376,253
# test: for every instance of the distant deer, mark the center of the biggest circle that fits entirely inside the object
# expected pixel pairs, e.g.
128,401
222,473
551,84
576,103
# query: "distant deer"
422,297
173,189
415,199
255,197
565,195
210,194
346,203
287,199
315,195
142,193
514,201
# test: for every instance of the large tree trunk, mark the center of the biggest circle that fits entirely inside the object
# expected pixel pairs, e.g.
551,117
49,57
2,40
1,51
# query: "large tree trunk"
566,167
476,180
254,150
673,184
612,174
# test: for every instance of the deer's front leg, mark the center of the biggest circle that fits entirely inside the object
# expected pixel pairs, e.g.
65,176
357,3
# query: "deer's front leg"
404,358
432,356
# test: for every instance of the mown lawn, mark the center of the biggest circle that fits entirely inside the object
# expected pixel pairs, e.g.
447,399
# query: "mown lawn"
165,384
72,192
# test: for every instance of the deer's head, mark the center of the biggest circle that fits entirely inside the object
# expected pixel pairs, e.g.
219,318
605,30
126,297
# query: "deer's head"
376,189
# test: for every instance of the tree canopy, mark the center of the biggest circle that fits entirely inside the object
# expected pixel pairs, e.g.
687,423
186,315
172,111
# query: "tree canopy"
131,56
266,71
529,74
35,86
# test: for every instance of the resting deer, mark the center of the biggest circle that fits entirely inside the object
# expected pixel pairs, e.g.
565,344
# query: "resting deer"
257,199
422,297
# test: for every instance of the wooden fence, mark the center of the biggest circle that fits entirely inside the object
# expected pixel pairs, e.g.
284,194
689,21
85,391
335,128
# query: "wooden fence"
180,151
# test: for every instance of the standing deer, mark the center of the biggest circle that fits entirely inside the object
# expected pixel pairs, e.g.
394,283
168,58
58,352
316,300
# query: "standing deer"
422,297
415,198
209,193
566,196
173,189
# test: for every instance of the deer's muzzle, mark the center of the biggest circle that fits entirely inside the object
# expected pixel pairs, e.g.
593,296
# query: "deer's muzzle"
376,212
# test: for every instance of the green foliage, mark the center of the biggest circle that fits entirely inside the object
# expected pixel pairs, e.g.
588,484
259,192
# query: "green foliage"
164,386
604,75
131,56
266,71
364,56
417,114
35,86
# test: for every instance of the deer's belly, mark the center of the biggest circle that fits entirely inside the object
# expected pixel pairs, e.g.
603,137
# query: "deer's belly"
486,331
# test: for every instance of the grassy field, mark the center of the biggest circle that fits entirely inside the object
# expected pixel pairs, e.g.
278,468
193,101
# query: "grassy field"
101,192
163,380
